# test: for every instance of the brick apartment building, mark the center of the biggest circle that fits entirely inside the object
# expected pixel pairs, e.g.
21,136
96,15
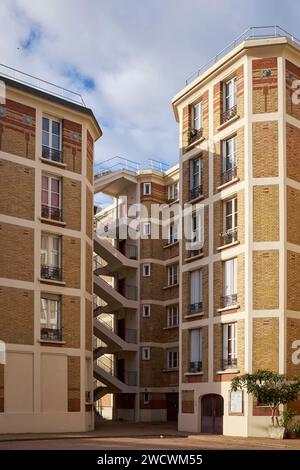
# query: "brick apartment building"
46,229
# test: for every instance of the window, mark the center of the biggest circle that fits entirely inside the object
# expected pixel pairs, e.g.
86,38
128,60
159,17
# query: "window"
146,270
197,116
173,191
229,91
172,359
51,139
230,221
147,189
146,398
195,178
173,315
196,234
51,197
50,257
228,160
172,274
195,364
196,289
146,354
230,283
173,233
50,317
146,311
229,345
146,229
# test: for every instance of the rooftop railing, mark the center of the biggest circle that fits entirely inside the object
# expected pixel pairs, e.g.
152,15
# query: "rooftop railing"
40,84
120,164
254,32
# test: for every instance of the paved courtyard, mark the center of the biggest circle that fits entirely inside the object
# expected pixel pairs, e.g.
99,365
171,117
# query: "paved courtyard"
125,436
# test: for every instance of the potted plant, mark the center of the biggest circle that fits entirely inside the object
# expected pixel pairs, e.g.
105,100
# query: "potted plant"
272,389
286,421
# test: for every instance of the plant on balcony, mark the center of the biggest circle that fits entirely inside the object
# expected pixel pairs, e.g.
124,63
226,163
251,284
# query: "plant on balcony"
271,389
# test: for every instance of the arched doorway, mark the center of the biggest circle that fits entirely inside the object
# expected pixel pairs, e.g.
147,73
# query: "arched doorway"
212,410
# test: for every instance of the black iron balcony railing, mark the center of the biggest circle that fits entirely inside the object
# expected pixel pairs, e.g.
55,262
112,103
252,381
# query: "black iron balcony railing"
229,236
229,175
196,308
196,192
228,300
229,113
197,252
53,213
51,334
229,363
195,134
195,366
52,154
52,273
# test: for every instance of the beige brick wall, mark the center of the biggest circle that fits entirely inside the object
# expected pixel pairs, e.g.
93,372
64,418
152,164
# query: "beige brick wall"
16,252
265,279
241,281
16,190
218,285
265,89
241,346
293,215
73,383
71,145
293,281
266,213
265,344
89,271
293,333
265,149
153,329
218,350
151,287
1,388
71,321
152,371
17,315
187,401
292,73
89,213
72,203
90,158
292,152
88,325
71,261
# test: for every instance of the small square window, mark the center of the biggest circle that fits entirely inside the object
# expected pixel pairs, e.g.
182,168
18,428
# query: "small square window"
146,229
146,270
146,311
147,189
146,398
146,354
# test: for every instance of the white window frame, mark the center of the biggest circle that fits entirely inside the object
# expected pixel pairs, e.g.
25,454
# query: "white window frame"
172,271
50,133
173,359
197,116
196,350
146,353
196,176
230,219
230,277
50,252
229,332
146,399
49,300
173,191
172,315
146,266
49,191
196,286
147,308
229,156
146,229
229,94
147,189
173,233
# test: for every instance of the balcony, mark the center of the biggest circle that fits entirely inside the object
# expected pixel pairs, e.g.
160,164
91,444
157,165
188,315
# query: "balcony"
196,192
229,300
52,154
51,334
195,366
196,252
53,273
229,113
195,308
195,134
229,175
229,236
229,363
51,213
128,291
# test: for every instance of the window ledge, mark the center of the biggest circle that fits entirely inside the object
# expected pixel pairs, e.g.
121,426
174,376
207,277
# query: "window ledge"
229,245
228,371
170,244
231,307
193,373
174,369
53,222
51,341
193,258
170,202
192,144
193,315
53,163
170,327
170,287
196,199
51,281
223,186
227,123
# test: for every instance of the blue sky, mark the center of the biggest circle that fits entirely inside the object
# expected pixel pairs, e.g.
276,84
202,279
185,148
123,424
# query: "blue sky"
129,57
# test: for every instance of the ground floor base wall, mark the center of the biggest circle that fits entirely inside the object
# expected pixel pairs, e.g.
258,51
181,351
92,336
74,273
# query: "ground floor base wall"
149,416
